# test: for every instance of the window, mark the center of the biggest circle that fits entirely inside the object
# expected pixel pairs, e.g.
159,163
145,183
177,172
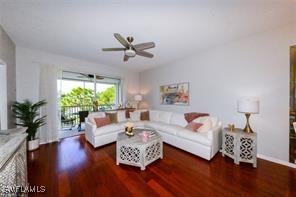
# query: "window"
80,90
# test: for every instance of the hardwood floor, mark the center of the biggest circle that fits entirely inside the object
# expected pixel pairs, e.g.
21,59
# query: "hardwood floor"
73,168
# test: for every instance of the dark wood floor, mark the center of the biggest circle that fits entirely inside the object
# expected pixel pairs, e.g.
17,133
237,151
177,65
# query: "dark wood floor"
73,168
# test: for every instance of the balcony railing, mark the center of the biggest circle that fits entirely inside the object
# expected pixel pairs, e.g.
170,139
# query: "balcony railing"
72,113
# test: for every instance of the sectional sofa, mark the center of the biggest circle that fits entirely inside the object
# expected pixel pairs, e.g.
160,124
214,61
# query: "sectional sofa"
171,127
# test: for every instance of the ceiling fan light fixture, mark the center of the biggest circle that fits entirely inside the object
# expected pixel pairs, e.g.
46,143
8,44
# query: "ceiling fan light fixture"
130,53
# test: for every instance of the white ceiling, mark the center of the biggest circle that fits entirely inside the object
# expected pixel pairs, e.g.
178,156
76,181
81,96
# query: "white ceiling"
80,28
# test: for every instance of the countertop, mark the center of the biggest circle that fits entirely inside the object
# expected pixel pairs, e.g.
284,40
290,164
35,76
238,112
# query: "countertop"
9,143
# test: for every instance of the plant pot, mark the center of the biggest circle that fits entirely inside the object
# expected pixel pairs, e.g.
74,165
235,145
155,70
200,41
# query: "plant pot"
33,144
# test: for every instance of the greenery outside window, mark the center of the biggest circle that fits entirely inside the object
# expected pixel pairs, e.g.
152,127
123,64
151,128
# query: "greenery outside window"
78,91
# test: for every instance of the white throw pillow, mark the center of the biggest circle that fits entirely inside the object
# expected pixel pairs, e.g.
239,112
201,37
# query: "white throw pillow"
207,124
93,115
135,116
121,116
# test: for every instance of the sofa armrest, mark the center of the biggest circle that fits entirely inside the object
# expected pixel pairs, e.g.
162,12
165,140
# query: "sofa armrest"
90,127
215,135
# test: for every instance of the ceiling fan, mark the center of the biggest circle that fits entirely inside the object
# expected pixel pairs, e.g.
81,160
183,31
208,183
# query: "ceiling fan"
131,50
91,76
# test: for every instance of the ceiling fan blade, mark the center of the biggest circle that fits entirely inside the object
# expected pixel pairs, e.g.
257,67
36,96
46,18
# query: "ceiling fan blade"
144,54
143,46
125,58
113,49
121,40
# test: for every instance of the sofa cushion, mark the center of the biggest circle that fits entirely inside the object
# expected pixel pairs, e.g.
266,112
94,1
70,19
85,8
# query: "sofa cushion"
164,116
153,115
170,129
214,121
121,116
107,129
112,116
140,124
178,119
102,121
135,116
153,124
91,116
194,136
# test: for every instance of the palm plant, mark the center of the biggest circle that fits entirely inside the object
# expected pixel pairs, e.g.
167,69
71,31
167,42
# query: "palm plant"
28,115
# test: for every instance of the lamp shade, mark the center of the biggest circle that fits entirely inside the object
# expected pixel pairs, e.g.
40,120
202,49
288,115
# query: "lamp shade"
138,97
248,105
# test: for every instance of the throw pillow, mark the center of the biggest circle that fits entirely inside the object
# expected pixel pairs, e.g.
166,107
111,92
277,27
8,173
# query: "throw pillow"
93,115
193,126
127,112
135,116
121,117
112,116
193,115
144,115
207,124
102,121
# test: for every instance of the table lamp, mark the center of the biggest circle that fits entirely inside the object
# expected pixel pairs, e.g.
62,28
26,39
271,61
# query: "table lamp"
138,98
248,106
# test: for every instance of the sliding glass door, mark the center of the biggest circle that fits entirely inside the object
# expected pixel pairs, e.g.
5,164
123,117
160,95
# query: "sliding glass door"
82,93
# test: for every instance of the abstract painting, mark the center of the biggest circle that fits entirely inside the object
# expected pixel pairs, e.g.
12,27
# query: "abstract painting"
174,94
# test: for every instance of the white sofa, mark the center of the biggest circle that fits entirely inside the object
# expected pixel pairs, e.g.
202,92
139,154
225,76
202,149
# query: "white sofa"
171,127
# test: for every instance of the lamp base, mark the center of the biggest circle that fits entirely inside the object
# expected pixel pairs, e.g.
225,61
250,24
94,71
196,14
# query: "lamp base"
248,128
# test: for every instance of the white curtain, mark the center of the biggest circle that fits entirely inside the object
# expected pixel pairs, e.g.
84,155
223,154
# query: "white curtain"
49,76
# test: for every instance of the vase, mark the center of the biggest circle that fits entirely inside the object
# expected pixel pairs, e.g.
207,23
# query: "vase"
33,144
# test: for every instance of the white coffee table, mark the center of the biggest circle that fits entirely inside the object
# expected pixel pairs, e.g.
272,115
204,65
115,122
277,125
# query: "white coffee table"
133,151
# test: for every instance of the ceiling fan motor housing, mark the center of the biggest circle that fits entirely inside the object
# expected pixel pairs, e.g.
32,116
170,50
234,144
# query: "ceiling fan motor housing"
130,53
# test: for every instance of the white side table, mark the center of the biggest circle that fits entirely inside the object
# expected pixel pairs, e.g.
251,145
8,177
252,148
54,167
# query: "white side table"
240,146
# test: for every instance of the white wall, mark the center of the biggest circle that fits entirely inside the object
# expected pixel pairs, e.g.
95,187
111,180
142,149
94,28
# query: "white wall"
28,64
254,66
7,55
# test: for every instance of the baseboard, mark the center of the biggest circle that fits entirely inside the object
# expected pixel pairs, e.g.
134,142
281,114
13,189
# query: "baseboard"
49,142
275,160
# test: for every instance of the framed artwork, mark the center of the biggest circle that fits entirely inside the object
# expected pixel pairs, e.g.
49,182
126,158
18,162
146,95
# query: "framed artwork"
175,94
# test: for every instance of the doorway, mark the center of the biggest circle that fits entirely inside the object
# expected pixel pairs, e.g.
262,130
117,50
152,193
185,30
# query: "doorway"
292,131
3,96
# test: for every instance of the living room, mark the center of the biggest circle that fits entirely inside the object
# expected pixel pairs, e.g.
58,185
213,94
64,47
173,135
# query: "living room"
222,54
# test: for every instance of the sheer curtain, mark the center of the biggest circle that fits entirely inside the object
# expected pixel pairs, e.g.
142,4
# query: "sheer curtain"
49,75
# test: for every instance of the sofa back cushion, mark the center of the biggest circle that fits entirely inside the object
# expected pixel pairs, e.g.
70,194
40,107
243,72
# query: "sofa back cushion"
121,115
112,116
135,116
93,115
102,121
164,116
178,119
153,115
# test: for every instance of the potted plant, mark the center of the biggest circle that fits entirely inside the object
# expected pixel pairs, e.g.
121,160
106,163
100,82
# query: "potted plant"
28,115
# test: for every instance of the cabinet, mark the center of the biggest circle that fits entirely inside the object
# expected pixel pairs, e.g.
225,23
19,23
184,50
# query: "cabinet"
13,168
240,146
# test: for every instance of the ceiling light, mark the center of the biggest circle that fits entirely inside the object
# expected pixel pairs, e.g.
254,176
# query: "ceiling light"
130,53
